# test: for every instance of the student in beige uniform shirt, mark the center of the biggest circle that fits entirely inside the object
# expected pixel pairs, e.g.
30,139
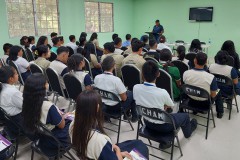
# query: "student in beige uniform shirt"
136,56
109,50
43,53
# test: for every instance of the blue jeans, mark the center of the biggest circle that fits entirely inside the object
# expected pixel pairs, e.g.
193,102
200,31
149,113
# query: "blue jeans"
181,120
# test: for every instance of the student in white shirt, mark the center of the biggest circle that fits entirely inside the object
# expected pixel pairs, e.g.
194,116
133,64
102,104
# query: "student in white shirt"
6,49
162,44
88,137
181,51
148,95
75,65
118,46
15,55
72,43
31,41
10,97
107,81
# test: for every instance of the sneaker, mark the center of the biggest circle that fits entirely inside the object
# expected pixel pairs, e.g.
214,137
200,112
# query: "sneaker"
219,115
193,124
164,146
134,119
128,115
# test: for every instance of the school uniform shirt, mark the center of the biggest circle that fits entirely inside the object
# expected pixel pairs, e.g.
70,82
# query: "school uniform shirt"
128,51
150,96
118,51
107,81
200,78
184,60
223,70
61,70
163,46
11,99
153,54
94,61
42,62
54,49
4,58
95,42
50,115
118,61
99,146
73,46
126,43
22,64
135,59
84,78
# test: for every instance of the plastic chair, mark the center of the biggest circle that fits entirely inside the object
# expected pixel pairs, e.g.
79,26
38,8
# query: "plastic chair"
182,67
35,68
88,67
20,79
147,58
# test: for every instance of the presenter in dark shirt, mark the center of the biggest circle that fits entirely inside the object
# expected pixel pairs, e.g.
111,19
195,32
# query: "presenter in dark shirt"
157,30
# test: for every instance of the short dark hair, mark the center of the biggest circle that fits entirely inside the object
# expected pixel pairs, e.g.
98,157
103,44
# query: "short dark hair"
30,39
128,36
55,40
150,71
145,38
109,46
222,57
165,55
62,49
6,46
152,42
133,40
42,49
71,38
115,35
157,21
117,40
162,39
108,63
201,58
61,38
136,45
53,34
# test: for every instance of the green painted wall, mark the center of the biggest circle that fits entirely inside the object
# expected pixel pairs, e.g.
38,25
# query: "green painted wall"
72,20
173,15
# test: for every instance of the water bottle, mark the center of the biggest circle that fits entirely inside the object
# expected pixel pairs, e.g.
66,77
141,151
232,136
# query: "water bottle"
209,41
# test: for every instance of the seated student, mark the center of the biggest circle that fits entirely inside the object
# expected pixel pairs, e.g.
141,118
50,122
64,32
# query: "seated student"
152,52
89,53
107,81
6,49
127,43
10,97
15,55
115,35
181,51
162,44
195,46
72,43
166,58
148,95
43,40
59,65
24,42
200,78
56,43
118,46
136,56
145,40
31,41
43,54
61,38
109,50
94,40
82,43
52,35
129,50
75,65
88,138
222,68
36,109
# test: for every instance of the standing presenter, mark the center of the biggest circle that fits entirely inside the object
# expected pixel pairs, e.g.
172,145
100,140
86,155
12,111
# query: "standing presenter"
157,30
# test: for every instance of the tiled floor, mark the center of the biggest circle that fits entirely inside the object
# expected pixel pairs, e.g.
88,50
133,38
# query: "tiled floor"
223,142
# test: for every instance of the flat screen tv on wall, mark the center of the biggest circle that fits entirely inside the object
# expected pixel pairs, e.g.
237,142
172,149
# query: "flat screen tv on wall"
201,14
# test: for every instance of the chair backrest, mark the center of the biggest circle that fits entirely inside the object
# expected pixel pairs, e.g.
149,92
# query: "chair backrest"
2,62
29,55
35,68
131,75
223,80
147,58
54,81
124,48
25,55
71,52
88,67
20,79
164,81
107,95
230,61
182,67
73,85
52,57
145,50
195,91
179,41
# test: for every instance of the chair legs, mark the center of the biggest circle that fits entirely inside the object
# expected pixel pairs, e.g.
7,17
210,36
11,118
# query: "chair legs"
179,146
214,125
207,124
236,102
119,127
172,149
16,150
32,154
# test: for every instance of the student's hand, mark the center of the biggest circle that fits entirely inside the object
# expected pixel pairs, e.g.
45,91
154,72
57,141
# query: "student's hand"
116,148
126,154
66,115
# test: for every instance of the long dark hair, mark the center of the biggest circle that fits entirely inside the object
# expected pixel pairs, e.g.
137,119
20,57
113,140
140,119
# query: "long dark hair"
195,46
33,97
74,62
42,49
181,50
13,53
93,36
89,49
87,117
41,40
6,72
166,56
229,47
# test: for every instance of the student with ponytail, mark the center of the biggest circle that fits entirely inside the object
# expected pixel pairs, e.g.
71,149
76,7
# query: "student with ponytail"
43,53
75,65
181,51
